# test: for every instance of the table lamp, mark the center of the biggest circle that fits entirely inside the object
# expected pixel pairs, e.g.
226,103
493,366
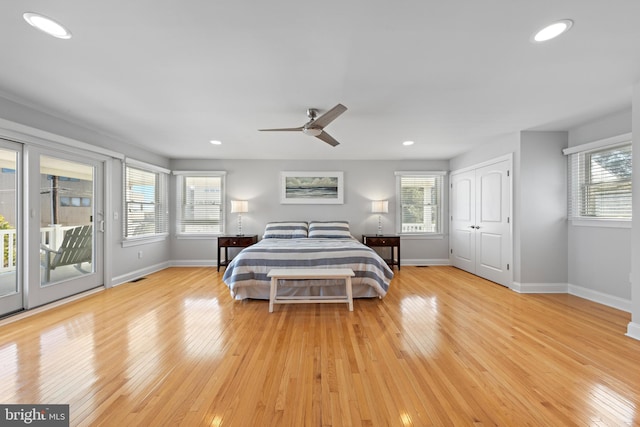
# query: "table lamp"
380,207
239,207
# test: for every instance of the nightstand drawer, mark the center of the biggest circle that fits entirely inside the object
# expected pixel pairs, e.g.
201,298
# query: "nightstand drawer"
382,241
239,241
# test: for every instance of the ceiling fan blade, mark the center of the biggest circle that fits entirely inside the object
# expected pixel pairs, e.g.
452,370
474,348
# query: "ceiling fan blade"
328,139
329,116
282,130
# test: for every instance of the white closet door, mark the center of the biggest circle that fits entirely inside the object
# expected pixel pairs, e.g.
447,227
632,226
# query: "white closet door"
493,228
463,205
481,241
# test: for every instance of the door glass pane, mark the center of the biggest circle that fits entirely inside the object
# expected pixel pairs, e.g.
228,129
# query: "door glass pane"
8,222
66,219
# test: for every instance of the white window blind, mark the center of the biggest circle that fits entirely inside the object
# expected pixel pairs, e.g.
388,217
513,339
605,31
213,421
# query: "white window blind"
420,206
600,183
145,202
200,204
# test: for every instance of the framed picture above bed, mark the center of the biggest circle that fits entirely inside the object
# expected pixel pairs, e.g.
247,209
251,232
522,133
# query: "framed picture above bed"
312,188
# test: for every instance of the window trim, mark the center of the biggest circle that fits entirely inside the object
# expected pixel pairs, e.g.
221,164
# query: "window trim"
180,176
591,147
426,234
128,241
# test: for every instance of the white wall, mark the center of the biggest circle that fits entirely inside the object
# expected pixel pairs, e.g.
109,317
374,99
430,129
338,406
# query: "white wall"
634,327
18,114
542,200
258,181
600,257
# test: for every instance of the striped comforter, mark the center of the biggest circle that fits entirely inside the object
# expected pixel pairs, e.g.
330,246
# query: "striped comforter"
246,275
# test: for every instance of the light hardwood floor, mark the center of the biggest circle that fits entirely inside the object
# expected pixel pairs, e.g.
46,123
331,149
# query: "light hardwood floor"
443,348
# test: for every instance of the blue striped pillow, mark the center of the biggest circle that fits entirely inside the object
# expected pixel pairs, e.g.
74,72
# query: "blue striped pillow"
329,229
286,230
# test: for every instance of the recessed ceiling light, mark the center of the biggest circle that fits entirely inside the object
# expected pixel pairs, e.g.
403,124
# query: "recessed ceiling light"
407,143
47,25
553,30
216,142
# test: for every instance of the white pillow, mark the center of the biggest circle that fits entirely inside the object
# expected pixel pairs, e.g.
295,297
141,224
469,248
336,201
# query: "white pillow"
329,229
286,230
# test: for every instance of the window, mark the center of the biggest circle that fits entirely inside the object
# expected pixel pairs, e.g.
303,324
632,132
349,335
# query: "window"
200,200
420,202
600,183
145,201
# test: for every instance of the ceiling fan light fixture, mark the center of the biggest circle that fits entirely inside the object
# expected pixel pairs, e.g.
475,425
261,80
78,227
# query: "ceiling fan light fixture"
312,131
553,30
47,25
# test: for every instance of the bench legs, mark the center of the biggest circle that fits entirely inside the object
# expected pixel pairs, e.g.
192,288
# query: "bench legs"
273,296
272,293
347,282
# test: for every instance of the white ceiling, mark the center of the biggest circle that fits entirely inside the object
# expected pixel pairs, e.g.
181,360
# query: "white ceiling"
172,75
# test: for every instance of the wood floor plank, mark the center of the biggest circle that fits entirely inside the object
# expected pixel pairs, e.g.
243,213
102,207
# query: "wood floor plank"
442,348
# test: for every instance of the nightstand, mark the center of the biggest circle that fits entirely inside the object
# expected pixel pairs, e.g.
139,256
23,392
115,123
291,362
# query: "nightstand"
227,242
391,241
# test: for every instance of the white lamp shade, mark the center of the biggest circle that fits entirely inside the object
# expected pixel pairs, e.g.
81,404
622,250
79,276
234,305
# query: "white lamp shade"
380,206
239,206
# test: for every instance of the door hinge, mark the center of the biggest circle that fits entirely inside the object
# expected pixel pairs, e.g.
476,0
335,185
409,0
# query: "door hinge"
451,251
508,220
508,172
507,266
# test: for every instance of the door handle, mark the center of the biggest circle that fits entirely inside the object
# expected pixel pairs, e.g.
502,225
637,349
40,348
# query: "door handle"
101,228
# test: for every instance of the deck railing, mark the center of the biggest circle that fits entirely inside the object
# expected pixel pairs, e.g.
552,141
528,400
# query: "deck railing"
50,237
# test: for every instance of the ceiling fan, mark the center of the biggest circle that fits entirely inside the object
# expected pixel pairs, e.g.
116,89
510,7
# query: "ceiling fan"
315,126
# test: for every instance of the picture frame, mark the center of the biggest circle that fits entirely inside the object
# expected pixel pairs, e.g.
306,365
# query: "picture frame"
312,187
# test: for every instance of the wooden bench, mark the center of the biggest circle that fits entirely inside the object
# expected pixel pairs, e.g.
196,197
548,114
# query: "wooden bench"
277,274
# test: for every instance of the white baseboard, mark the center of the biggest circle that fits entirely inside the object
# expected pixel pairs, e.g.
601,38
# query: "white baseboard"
579,291
633,330
539,288
132,275
426,262
194,263
601,298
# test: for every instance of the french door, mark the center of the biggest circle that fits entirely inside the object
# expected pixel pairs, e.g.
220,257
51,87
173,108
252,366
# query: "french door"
51,225
65,225
11,289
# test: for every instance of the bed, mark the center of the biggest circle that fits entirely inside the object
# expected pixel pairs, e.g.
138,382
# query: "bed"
317,244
